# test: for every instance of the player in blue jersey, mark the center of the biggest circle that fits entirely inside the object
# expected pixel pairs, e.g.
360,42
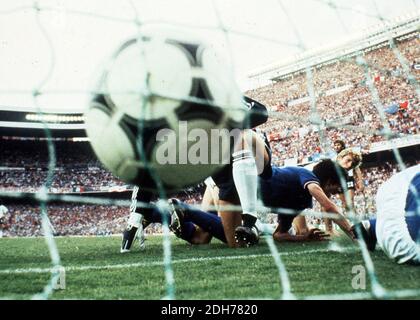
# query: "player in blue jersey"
396,228
293,188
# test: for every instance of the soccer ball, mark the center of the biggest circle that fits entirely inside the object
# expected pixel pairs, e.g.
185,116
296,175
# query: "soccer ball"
161,97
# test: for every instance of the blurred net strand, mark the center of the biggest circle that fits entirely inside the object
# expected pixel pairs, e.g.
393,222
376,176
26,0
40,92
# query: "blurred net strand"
314,113
162,204
377,289
46,223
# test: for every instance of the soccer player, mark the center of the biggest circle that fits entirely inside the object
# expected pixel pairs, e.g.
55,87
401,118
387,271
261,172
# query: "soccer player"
351,161
354,178
291,190
396,228
294,187
182,213
243,192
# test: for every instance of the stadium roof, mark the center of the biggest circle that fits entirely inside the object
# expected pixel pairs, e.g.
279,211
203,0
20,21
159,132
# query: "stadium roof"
30,124
51,51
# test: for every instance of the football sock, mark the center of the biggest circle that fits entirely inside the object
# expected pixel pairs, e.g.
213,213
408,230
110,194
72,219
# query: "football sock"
245,177
136,213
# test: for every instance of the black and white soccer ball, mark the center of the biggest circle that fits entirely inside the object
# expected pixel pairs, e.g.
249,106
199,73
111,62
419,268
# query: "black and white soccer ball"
155,83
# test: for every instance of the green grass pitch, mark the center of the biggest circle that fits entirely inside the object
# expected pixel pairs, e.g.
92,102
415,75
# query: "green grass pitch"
96,270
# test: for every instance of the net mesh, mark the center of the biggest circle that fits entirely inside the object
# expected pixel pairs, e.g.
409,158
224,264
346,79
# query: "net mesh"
358,65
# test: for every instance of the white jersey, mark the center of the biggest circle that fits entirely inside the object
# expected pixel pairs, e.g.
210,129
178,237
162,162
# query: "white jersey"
3,211
391,228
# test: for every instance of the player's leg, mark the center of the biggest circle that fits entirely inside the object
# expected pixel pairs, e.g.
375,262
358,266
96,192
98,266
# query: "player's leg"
231,220
208,204
250,160
245,177
183,228
300,225
184,216
228,200
136,223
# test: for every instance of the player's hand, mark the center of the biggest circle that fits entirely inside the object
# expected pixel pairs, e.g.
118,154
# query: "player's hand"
317,235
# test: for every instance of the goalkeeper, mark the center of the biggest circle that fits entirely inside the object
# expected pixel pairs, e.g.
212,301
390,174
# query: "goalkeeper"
396,227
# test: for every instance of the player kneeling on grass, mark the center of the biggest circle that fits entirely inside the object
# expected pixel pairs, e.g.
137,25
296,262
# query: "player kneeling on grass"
289,188
293,188
396,227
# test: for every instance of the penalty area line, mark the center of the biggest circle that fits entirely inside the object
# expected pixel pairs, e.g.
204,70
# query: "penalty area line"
161,263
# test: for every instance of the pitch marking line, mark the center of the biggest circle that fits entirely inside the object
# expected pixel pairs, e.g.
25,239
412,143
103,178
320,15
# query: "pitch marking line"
161,263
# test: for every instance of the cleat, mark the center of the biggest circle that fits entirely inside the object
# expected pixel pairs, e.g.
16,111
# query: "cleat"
249,236
177,217
141,237
129,235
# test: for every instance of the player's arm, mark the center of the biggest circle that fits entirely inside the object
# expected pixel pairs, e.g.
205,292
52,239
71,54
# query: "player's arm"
305,234
358,178
316,191
312,235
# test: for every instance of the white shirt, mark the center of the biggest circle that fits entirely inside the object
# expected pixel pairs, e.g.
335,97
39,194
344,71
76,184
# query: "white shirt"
391,228
3,211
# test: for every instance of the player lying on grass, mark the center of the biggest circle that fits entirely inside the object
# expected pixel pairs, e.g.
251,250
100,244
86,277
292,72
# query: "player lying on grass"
396,227
290,189
242,170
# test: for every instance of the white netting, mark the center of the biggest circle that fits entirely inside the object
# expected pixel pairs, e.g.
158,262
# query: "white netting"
335,92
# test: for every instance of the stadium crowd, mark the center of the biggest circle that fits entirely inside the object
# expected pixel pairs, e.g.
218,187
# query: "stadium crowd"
342,87
24,168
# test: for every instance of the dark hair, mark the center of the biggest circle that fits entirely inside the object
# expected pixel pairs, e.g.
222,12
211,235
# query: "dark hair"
341,143
328,171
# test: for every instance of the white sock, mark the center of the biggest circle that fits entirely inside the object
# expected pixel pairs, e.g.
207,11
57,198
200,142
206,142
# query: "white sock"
245,176
135,219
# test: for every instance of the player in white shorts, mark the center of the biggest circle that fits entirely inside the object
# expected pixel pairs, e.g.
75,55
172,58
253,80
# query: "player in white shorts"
397,224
